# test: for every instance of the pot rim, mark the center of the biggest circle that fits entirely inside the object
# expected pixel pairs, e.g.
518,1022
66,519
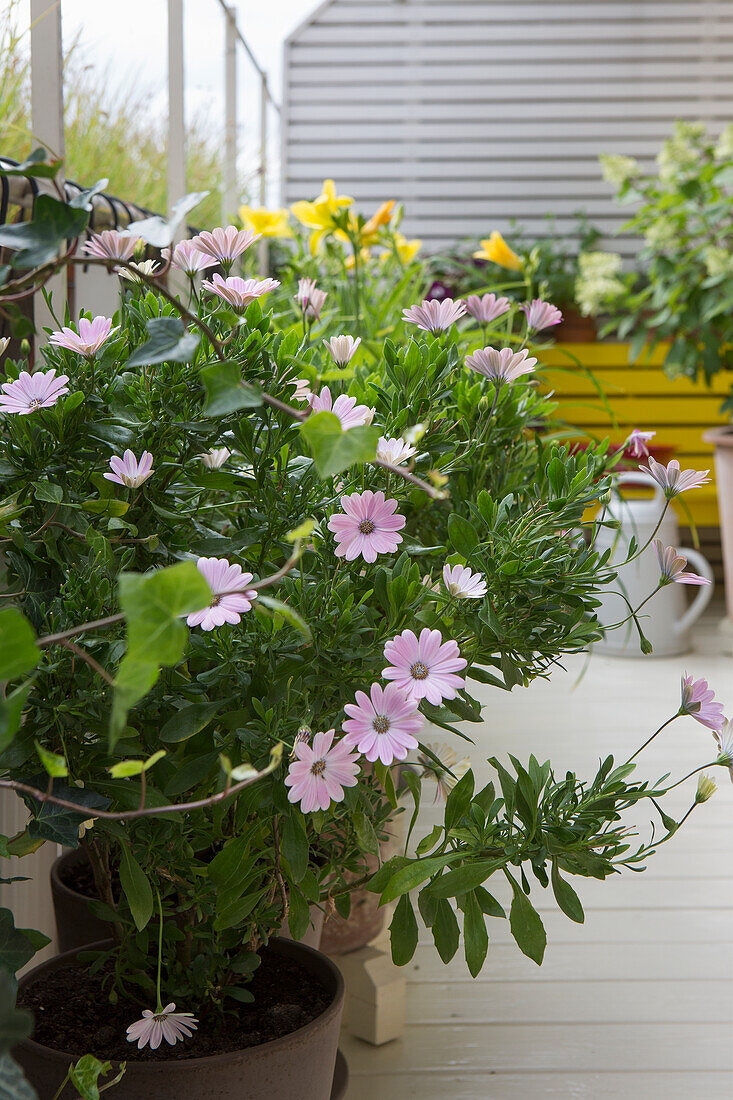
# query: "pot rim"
59,884
721,436
180,1065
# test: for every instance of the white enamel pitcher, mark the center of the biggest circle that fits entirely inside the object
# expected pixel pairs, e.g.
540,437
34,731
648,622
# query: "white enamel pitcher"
666,619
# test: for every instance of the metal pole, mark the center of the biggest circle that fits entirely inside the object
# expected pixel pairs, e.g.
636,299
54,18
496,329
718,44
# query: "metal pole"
176,105
263,251
47,123
230,195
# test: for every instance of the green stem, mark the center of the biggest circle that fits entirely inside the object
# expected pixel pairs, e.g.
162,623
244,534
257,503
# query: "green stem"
650,739
160,950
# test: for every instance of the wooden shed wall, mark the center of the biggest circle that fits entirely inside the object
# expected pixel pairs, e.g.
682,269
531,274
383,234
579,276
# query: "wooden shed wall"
476,112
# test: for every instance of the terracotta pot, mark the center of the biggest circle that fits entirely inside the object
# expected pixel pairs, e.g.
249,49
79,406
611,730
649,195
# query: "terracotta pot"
302,1064
574,327
76,925
722,440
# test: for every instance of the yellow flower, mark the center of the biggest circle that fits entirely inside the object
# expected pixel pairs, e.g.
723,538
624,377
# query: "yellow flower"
498,251
364,258
319,214
406,250
377,220
269,223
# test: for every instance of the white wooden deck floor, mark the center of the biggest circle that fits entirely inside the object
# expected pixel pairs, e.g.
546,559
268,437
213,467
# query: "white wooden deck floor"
638,1001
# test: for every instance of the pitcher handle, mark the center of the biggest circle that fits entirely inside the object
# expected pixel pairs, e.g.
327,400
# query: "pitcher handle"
704,592
638,477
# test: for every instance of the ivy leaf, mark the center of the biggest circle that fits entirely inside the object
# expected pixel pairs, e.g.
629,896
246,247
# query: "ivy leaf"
36,164
168,342
38,241
54,764
16,948
159,231
84,1076
225,390
334,449
15,1023
18,650
137,889
56,823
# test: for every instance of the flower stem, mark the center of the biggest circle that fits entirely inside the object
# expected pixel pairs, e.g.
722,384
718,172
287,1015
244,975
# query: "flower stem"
650,739
160,950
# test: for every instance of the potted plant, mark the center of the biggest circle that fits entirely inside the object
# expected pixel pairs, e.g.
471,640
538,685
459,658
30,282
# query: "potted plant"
224,622
684,212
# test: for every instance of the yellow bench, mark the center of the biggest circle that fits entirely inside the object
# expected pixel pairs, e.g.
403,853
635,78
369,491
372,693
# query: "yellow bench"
640,395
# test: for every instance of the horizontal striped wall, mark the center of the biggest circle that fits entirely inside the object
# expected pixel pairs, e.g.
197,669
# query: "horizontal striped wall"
475,112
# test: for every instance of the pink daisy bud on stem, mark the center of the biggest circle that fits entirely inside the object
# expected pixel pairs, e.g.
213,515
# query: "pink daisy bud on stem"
698,700
383,724
394,451
342,349
155,1026
462,583
486,309
424,667
724,741
671,565
225,245
311,300
344,407
239,292
433,316
320,772
30,392
88,340
188,258
230,595
673,480
636,444
506,365
128,471
369,525
216,457
541,315
111,245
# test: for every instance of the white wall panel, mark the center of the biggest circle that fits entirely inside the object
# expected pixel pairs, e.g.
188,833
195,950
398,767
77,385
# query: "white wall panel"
478,112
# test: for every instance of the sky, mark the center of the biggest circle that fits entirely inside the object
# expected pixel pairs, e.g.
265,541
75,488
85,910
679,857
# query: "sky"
130,38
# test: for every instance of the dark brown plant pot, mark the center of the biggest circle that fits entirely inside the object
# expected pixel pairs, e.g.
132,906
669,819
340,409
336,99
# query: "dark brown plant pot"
574,327
302,1064
76,925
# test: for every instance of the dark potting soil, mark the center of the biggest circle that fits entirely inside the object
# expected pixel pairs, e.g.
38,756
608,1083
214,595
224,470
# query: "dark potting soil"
79,877
73,1014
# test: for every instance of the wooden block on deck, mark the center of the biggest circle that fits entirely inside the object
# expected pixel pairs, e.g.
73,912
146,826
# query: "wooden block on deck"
375,995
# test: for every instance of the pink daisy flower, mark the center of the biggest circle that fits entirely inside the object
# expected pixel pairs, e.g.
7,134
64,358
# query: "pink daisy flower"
424,667
541,315
128,471
394,451
29,392
342,348
303,390
89,339
462,583
501,366
367,526
230,595
636,444
227,244
698,702
111,245
344,407
239,292
216,457
673,480
382,725
671,565
486,309
724,741
320,772
433,316
156,1026
188,258
310,299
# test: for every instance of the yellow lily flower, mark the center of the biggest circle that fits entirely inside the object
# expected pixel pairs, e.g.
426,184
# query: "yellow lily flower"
319,214
406,250
268,223
498,252
364,258
378,219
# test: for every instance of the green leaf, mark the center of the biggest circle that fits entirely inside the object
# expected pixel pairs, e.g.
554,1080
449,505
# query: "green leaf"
85,1074
454,883
459,799
15,948
54,764
18,650
226,392
365,834
489,905
526,926
236,911
56,823
462,534
127,768
334,449
187,722
159,231
288,613
566,897
38,164
415,873
15,1024
40,240
11,711
106,506
475,935
137,889
298,915
403,932
168,342
13,1084
446,933
191,774
295,845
